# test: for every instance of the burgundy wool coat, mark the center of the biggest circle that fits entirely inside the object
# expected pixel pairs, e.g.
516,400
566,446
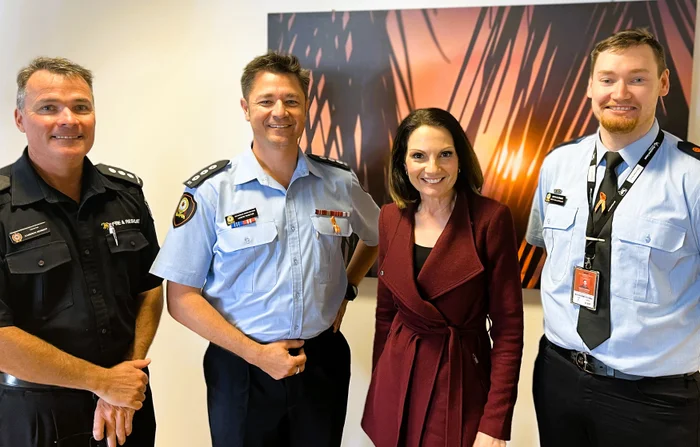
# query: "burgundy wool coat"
436,380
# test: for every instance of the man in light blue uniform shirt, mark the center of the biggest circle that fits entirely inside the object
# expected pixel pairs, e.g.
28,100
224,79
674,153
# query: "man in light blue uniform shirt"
254,264
618,365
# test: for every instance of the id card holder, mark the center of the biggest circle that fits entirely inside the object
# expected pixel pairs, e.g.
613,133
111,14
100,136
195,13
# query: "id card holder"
584,290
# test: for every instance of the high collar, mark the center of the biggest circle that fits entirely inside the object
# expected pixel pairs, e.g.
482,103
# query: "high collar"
633,152
249,169
28,187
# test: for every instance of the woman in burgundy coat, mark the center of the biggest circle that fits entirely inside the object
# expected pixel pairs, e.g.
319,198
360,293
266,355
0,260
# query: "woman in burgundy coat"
448,263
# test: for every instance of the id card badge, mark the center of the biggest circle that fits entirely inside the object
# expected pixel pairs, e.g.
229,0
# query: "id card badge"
584,291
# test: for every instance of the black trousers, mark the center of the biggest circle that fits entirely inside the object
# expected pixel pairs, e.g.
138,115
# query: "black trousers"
249,408
577,409
62,418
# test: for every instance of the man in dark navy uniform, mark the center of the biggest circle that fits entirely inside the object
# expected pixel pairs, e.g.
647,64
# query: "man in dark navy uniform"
78,308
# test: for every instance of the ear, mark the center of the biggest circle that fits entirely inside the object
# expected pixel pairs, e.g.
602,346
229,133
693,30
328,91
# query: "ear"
589,90
246,109
665,83
19,120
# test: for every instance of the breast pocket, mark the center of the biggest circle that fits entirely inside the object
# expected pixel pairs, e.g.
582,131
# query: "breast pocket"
557,230
326,245
638,244
46,269
126,259
246,257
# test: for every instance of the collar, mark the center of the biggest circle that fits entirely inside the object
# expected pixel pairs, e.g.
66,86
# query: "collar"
632,153
249,169
28,187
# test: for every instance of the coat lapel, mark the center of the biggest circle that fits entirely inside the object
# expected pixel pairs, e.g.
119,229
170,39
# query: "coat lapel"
454,259
397,269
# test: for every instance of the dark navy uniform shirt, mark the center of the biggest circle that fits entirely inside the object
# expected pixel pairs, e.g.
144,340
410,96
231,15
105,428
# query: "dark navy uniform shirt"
63,276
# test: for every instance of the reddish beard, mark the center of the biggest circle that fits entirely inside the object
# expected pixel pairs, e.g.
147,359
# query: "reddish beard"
618,124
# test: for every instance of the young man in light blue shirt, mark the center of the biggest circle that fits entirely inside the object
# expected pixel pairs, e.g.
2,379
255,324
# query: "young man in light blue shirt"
620,210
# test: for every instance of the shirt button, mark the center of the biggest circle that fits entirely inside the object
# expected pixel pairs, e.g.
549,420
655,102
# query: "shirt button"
549,220
292,228
381,273
132,243
246,240
295,261
648,238
87,252
104,331
41,263
94,291
296,327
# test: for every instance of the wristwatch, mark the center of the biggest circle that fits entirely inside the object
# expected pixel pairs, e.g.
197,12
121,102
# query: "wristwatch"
351,292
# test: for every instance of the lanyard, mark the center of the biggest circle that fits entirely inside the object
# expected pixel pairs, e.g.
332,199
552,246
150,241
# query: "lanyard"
641,165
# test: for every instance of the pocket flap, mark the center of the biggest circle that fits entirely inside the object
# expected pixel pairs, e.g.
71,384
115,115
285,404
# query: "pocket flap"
233,239
651,233
559,217
38,259
129,240
323,225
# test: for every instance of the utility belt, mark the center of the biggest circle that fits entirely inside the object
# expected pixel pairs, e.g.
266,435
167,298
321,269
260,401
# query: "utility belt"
589,364
12,381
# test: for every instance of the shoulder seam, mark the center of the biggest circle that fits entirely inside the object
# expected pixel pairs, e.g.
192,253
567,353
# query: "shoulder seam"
567,143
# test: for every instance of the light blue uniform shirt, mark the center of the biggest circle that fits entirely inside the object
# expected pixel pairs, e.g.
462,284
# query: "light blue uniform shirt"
655,258
282,277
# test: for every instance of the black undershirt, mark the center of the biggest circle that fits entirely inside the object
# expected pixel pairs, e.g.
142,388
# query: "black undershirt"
420,255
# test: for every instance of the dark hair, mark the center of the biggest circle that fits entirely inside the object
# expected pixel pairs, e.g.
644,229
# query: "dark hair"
628,38
275,63
469,177
56,65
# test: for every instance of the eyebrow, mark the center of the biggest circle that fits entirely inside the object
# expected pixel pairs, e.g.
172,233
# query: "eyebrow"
421,150
635,71
55,100
272,95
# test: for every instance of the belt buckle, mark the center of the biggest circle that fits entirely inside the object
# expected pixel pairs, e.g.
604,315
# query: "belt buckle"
581,360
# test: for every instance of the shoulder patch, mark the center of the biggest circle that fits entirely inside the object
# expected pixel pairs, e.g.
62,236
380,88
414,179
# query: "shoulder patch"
329,161
566,143
689,148
185,210
4,182
205,173
118,173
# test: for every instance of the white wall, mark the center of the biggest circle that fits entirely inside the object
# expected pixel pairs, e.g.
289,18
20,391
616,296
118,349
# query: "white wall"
167,104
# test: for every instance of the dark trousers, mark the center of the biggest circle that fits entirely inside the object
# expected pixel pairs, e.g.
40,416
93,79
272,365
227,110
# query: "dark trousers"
62,418
577,409
249,408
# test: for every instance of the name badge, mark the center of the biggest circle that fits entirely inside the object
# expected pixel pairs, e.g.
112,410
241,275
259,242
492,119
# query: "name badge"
584,291
30,232
554,198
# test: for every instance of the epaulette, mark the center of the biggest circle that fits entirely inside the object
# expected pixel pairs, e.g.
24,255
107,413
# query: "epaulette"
119,173
4,182
689,148
205,173
566,143
329,161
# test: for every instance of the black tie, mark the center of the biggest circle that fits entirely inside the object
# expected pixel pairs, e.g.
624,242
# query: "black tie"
594,326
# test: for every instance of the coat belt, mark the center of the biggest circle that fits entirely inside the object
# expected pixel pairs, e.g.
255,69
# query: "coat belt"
455,389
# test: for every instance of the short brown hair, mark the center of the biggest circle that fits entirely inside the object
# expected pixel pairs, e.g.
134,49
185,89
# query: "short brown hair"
628,38
469,178
56,65
275,63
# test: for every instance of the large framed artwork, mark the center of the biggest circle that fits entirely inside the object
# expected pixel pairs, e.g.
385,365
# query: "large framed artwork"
514,76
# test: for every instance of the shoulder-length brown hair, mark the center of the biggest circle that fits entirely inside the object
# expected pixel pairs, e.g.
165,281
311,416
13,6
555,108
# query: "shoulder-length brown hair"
469,178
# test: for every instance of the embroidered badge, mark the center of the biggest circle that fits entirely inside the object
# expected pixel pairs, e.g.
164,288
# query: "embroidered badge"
185,210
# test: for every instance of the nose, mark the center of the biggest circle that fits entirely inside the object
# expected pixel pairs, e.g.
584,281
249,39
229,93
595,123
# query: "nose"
279,110
432,166
621,91
66,117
